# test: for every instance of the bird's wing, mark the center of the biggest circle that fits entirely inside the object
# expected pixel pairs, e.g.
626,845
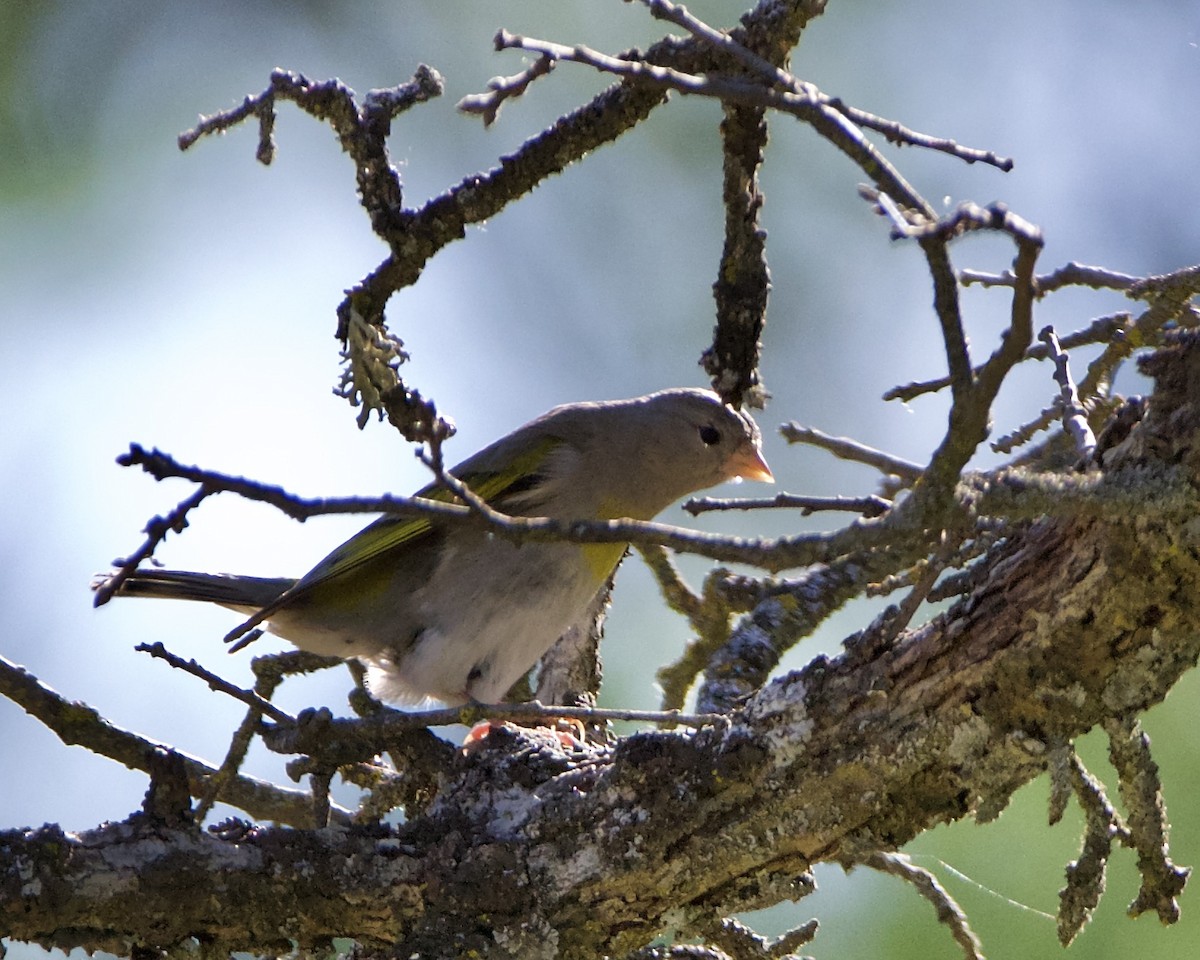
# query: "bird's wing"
495,474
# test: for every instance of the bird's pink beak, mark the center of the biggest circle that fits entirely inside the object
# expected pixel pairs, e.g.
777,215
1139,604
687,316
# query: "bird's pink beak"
747,462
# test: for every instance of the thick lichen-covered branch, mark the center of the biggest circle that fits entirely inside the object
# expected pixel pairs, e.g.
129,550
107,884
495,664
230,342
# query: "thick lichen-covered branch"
945,721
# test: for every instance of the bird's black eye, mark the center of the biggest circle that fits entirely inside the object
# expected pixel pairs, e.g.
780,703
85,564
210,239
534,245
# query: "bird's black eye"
710,435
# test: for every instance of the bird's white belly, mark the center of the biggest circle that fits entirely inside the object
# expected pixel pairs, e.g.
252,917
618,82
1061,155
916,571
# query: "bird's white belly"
486,615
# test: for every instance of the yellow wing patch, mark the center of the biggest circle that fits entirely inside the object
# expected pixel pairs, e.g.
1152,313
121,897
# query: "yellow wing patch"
389,534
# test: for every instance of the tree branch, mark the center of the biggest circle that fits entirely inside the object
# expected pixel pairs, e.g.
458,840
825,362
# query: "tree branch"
1072,624
77,724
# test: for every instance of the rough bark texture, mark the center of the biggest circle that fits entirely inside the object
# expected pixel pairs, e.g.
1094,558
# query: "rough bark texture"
529,851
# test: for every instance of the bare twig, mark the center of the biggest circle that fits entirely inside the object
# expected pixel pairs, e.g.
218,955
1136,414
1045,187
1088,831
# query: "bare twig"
739,942
670,584
1119,332
806,106
372,355
269,672
776,76
803,549
1074,416
1069,275
971,410
708,614
846,449
500,89
1085,876
742,664
1141,789
927,885
933,237
1027,431
218,684
907,609
435,461
331,100
872,506
1104,329
901,135
722,41
1173,291
77,724
156,529
163,466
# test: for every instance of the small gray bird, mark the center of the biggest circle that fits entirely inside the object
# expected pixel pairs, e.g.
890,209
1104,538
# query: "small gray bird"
452,612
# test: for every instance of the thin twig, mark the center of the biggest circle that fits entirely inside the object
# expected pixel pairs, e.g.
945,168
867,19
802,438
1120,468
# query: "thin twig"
948,309
1101,330
220,685
156,531
708,613
265,685
77,724
1086,874
720,40
1074,416
1027,431
970,413
670,584
798,550
320,769
1141,789
902,615
807,106
435,461
1068,275
871,506
926,884
501,89
372,355
162,466
846,449
778,77
329,100
534,711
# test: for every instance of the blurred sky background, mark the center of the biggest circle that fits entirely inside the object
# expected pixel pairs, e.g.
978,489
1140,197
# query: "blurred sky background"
187,301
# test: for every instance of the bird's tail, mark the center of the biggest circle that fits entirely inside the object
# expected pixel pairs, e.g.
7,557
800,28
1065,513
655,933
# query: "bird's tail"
244,594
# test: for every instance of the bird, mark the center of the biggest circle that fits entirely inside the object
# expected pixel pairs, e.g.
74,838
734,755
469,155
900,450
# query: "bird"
452,612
